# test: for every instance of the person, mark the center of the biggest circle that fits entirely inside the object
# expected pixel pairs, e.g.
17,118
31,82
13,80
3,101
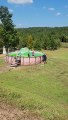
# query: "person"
33,53
18,60
44,58
28,55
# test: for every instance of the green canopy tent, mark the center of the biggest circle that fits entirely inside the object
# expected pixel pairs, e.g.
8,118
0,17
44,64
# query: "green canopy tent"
22,53
25,52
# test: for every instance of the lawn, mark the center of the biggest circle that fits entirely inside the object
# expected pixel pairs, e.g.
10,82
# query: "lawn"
39,88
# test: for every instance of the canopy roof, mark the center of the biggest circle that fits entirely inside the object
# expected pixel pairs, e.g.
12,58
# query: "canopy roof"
25,52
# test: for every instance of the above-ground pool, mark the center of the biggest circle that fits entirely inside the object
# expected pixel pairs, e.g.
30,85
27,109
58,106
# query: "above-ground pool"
26,57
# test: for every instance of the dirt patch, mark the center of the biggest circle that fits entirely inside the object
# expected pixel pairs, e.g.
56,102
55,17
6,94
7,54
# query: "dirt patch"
2,55
5,69
8,112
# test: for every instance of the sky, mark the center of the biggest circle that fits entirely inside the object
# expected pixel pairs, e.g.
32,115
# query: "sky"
38,13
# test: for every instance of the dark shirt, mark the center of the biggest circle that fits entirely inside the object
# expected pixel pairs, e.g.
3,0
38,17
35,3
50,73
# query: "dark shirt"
44,57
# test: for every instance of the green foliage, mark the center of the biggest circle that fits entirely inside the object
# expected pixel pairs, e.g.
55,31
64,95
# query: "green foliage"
23,41
64,38
42,37
1,40
30,41
9,34
54,42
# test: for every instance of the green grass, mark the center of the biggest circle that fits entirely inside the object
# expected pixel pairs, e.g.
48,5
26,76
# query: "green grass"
64,45
40,88
2,60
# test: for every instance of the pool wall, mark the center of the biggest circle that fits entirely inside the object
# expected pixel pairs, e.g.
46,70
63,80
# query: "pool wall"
25,60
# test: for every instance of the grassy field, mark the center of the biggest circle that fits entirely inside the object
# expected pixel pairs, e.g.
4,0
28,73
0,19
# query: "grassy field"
41,88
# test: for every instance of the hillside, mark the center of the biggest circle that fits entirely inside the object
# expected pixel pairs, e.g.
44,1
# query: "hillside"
42,37
41,89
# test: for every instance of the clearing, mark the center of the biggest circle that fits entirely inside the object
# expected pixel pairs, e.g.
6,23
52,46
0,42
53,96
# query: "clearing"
34,91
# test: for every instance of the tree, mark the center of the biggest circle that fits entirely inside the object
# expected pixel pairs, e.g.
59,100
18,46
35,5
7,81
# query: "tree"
1,40
30,41
54,42
9,34
37,44
22,41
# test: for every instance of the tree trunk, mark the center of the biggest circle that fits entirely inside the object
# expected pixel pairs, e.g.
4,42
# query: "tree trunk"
4,50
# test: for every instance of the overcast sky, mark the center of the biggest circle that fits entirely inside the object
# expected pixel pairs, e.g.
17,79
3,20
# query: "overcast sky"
38,13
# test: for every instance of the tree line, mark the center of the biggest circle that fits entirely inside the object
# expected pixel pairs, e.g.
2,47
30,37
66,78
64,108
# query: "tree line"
42,37
33,38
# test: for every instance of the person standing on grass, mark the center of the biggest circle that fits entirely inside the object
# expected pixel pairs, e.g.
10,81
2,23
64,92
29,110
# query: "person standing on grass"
44,58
